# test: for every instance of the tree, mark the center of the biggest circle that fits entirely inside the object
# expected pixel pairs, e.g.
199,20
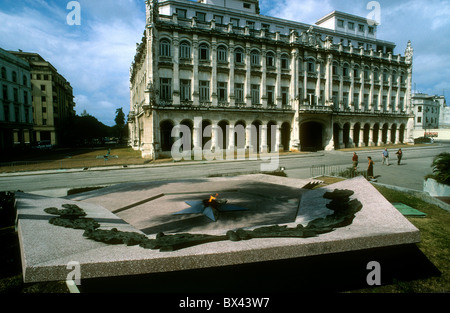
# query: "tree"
120,128
441,168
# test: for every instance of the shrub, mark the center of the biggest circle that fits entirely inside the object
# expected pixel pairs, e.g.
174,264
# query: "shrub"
441,168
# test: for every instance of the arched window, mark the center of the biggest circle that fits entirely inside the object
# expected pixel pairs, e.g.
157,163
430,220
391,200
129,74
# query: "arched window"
311,66
239,55
394,77
164,48
376,75
222,54
285,62
185,50
356,72
366,73
270,59
255,59
204,52
346,70
335,68
385,76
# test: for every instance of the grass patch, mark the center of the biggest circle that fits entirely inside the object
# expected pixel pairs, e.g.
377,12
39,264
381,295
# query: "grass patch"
71,158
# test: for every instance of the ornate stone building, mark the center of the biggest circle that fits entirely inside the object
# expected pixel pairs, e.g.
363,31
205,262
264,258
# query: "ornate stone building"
16,117
239,79
52,98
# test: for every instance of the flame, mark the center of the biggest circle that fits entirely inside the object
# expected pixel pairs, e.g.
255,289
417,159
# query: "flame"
211,198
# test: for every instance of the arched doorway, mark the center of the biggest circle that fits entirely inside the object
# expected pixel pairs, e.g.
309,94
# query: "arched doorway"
384,133
239,134
376,134
336,131
393,133
366,134
311,136
286,135
271,136
401,133
256,136
188,139
206,135
166,135
223,140
346,135
356,132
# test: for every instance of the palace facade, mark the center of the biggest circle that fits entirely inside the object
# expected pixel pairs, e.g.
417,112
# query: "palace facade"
239,79
16,116
52,98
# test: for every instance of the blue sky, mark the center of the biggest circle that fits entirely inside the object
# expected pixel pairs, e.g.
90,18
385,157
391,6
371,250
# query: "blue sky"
96,55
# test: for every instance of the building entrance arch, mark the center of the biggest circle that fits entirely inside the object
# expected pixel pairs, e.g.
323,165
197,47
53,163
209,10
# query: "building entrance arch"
311,136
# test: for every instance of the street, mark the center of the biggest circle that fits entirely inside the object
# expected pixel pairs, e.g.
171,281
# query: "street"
414,166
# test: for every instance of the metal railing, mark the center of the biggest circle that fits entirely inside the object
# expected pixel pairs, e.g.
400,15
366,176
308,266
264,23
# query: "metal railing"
335,170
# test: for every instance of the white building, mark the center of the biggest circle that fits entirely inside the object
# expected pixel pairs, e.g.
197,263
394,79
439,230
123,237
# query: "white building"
444,112
426,110
285,85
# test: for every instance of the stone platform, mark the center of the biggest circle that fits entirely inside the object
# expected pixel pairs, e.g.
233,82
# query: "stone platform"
147,209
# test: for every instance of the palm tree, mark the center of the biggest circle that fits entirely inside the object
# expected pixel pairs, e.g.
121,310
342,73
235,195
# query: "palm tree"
441,168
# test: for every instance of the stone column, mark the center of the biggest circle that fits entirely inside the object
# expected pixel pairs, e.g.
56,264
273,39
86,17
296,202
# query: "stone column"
389,135
361,90
371,143
248,139
197,139
263,135
328,79
231,76
361,137
176,70
278,145
262,90
341,138
195,99
214,71
248,74
319,69
372,82
397,136
231,143
278,79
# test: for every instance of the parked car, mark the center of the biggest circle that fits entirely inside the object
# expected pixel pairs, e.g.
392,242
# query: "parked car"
423,140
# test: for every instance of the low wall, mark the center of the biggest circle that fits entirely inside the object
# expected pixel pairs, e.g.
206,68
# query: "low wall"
436,134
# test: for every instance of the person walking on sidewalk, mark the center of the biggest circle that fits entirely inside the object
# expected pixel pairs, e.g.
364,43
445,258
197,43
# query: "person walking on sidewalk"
370,168
399,154
355,161
385,156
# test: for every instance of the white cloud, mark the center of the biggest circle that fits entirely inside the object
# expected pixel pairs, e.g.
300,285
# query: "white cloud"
94,57
307,11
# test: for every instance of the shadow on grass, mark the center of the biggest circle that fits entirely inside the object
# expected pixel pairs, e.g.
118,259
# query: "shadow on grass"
337,272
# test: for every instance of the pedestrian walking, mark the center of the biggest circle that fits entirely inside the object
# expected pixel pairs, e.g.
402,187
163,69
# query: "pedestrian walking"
399,154
385,156
370,168
355,161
